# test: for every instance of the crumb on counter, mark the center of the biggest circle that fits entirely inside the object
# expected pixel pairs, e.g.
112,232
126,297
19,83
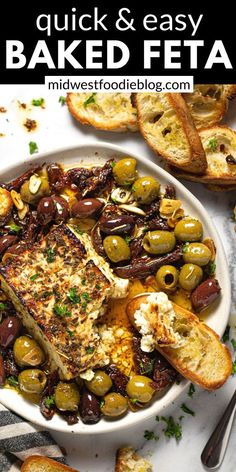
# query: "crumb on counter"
3,110
30,125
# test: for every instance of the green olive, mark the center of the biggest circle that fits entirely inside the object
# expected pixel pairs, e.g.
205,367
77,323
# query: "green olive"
116,248
100,384
27,352
33,198
139,388
167,277
190,276
145,190
114,405
159,242
67,396
189,229
32,381
124,171
197,253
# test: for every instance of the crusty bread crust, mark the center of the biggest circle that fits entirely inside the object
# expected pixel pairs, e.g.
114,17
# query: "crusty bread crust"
171,133
109,112
44,464
202,358
218,171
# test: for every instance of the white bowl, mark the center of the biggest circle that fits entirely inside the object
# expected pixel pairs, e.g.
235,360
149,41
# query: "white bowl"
217,317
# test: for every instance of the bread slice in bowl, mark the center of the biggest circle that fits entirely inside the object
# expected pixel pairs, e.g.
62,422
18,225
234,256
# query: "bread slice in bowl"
166,124
198,353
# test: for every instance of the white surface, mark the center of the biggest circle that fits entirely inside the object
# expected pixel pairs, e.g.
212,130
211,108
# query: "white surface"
57,129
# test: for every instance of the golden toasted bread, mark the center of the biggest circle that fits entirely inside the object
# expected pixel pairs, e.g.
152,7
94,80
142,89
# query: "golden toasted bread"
208,103
105,111
127,460
200,357
167,126
219,143
44,464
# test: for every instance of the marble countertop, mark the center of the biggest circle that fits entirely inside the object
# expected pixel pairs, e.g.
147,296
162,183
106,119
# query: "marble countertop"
92,453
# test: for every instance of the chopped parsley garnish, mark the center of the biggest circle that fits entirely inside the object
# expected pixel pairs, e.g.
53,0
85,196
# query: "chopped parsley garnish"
102,403
62,100
212,144
70,333
14,227
45,295
112,164
61,310
3,306
150,435
225,336
34,277
191,390
50,255
211,268
33,147
89,349
133,400
173,429
185,247
98,287
49,401
233,342
13,381
90,99
86,296
233,368
187,410
39,102
127,239
147,368
73,296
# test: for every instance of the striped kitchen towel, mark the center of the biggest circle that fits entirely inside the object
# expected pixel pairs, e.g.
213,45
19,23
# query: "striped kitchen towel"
20,439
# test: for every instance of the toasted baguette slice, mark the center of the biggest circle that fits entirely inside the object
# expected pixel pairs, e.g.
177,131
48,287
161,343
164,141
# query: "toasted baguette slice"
218,142
166,124
44,464
105,111
127,460
208,103
200,357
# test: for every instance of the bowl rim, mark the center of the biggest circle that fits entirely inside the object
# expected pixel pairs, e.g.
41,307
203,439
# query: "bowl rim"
176,390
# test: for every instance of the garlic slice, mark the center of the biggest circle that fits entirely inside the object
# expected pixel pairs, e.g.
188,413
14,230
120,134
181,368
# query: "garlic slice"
169,206
17,200
133,209
120,195
34,184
